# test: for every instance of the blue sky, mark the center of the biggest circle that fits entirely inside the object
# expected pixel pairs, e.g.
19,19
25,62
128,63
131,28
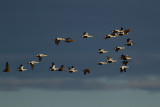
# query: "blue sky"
28,28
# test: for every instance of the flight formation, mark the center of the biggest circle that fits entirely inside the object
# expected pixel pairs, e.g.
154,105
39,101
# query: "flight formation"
125,59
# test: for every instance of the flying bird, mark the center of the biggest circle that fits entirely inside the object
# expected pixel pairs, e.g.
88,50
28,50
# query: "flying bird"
102,63
21,68
61,68
68,40
125,62
40,56
6,68
118,48
129,42
127,31
123,68
125,57
71,69
85,35
57,40
111,36
110,60
101,51
85,71
32,63
122,32
53,68
118,30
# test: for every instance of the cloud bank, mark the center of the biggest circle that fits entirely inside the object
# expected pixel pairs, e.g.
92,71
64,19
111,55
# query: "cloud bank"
151,83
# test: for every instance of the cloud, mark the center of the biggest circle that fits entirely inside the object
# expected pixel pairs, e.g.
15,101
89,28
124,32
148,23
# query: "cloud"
140,82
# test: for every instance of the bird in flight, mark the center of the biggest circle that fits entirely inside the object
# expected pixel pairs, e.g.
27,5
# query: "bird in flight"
21,68
118,48
53,68
61,68
111,35
85,71
123,68
129,42
85,35
68,40
110,60
71,69
102,63
57,40
125,62
125,57
101,51
32,63
6,68
40,56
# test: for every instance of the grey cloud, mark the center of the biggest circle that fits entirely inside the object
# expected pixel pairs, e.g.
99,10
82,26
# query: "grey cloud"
144,83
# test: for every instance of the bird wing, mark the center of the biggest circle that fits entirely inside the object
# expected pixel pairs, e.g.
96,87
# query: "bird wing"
61,68
86,70
116,49
7,66
57,41
21,66
72,66
124,69
121,70
40,58
109,58
68,39
32,66
121,28
85,33
129,40
53,64
127,30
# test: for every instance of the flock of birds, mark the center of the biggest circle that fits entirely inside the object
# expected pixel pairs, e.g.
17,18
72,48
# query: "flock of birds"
125,58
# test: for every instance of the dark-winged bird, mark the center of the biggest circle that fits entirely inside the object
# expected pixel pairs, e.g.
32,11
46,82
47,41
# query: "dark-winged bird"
6,68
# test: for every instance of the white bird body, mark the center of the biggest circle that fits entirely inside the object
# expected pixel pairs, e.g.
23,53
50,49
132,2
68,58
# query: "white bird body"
21,68
60,38
33,62
101,51
85,35
102,63
110,60
123,68
53,67
71,69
